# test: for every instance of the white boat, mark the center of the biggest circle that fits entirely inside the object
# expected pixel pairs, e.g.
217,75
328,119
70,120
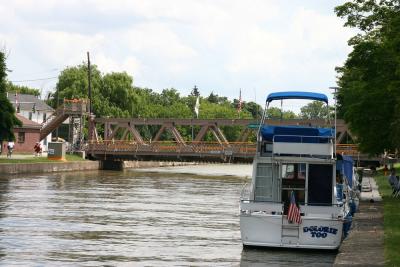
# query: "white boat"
295,168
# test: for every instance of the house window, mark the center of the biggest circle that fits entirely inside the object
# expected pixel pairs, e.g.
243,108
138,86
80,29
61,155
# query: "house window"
44,117
21,137
30,115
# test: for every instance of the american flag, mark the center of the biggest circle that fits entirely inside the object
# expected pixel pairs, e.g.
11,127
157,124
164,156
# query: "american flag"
197,106
294,212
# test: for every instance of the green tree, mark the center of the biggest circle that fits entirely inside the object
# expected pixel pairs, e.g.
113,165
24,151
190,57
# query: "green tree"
195,91
116,89
369,95
10,87
314,110
255,109
109,93
216,99
276,114
73,82
7,113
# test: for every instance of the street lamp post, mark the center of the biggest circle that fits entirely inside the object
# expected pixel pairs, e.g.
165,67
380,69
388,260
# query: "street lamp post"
335,88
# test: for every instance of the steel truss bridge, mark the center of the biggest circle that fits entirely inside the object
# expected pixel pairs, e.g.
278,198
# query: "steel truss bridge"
122,139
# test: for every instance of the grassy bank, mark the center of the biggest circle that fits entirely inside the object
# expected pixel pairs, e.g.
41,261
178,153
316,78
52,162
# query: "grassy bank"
68,158
391,219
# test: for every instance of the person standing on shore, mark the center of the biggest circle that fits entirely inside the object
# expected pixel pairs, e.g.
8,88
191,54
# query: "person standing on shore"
38,149
393,181
10,148
385,170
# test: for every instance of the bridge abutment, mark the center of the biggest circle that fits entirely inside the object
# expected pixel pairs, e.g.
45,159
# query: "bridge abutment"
112,165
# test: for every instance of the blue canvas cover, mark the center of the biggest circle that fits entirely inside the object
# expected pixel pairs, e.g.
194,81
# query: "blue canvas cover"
348,169
296,134
297,95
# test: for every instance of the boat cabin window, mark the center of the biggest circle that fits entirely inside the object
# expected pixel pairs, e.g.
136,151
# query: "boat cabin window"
320,178
267,184
293,179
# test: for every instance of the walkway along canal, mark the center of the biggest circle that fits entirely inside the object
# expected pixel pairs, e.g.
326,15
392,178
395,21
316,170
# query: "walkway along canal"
364,245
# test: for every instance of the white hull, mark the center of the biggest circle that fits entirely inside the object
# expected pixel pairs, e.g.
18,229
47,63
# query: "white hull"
268,230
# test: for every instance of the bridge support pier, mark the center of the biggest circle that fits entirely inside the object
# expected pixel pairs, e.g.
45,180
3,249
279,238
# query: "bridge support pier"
112,165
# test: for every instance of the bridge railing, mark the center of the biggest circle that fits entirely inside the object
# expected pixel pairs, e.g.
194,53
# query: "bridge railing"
347,149
169,147
75,106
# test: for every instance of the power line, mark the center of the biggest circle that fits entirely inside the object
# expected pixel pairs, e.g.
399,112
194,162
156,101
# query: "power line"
34,80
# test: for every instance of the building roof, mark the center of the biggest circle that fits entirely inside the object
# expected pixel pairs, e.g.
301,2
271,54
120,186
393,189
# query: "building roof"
27,123
26,102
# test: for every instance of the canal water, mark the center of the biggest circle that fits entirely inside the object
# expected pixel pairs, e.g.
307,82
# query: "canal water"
155,217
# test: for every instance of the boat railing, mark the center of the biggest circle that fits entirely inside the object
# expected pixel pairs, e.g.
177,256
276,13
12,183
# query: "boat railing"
302,139
300,145
307,204
273,208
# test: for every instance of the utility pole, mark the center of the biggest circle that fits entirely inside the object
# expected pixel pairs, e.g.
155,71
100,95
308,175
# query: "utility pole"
90,84
58,104
91,116
335,88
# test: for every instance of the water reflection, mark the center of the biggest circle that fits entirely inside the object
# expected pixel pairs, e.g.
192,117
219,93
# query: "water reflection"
4,188
125,218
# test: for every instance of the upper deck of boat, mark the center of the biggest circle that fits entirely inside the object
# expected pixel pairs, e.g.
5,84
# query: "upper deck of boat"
296,141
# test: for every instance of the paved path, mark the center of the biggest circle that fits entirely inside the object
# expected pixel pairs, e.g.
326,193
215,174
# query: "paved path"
364,245
369,190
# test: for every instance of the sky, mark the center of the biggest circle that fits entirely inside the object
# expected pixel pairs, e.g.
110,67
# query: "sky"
221,46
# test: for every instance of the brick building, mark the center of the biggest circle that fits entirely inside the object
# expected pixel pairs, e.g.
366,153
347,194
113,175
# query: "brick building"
26,136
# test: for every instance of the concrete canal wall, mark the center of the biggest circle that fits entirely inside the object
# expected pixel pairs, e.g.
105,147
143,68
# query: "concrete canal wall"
45,167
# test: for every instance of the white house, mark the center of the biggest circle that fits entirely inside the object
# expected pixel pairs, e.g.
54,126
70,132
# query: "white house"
32,108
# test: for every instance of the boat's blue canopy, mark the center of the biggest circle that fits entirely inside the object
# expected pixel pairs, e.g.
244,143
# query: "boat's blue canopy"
297,95
296,133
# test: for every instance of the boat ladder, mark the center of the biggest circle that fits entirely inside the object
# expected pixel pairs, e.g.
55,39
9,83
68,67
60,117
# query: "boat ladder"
290,231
